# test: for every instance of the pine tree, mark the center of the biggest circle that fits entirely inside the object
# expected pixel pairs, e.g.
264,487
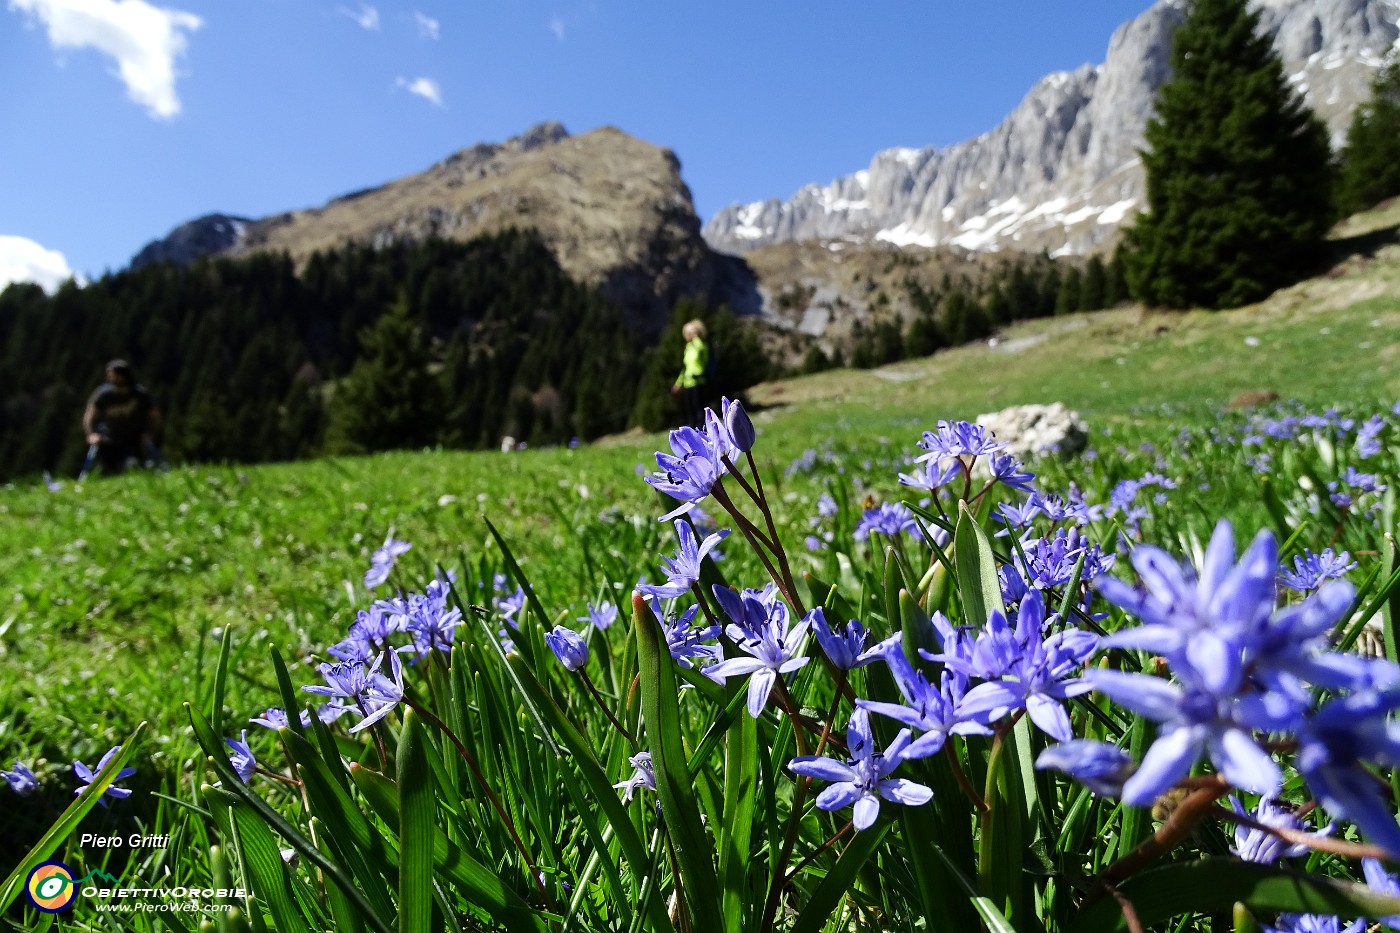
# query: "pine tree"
1238,170
1093,288
390,399
1067,300
1370,170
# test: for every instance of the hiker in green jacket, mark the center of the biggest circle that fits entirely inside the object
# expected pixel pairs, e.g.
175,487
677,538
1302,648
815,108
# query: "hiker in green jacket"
690,384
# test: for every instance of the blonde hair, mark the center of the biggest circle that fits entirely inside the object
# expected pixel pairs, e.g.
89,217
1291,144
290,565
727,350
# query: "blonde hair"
693,329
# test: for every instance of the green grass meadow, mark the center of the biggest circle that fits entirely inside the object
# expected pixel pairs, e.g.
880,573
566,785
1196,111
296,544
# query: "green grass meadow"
117,595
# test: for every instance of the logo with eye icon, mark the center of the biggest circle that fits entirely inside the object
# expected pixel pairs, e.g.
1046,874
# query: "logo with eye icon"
51,887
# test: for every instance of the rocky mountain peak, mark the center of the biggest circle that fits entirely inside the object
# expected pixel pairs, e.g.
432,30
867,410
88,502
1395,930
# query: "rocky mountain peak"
612,208
1061,172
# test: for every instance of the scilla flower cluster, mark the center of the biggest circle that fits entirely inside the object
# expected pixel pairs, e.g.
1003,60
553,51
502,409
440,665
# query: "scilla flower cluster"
1237,677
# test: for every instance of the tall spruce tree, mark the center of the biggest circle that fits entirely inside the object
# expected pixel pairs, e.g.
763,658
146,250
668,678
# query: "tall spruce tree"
1371,161
390,399
1238,170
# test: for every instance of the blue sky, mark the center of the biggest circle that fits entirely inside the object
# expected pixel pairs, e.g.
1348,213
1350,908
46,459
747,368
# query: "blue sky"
122,119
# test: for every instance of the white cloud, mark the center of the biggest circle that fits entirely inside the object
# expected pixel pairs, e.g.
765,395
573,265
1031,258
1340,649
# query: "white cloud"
145,41
366,17
428,27
23,260
556,26
426,88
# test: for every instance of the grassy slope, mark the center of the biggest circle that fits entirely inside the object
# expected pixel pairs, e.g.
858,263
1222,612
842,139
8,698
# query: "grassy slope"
108,592
1327,338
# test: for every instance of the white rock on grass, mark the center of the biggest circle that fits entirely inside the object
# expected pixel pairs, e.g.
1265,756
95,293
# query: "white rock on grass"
1031,430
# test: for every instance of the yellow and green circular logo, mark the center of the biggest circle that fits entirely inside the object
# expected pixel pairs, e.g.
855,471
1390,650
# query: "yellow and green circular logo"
50,887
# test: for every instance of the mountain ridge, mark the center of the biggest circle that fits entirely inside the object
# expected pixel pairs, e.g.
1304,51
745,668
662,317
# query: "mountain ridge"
1060,172
613,209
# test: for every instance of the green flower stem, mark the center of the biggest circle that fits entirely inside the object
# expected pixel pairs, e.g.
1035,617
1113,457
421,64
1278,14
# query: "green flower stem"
965,782
799,794
797,869
598,698
277,777
755,538
781,553
989,810
704,604
750,530
781,879
831,713
490,794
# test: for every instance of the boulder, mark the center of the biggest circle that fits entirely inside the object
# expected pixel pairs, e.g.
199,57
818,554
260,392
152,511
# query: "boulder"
1032,430
1252,399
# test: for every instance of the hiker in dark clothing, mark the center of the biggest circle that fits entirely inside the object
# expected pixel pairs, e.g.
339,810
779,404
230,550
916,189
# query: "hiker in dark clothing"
121,423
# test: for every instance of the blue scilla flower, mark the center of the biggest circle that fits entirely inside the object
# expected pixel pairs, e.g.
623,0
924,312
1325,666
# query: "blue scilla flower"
1312,570
1050,562
370,632
933,711
826,505
568,646
1261,846
1099,766
753,611
87,775
772,647
929,476
844,649
1362,482
683,570
21,780
693,467
887,518
1334,744
373,693
991,651
1313,923
510,605
600,616
687,642
1194,722
1290,652
863,780
1200,623
1038,678
1008,471
244,764
275,717
1380,882
1019,516
383,560
642,776
737,425
957,439
804,462
1285,428
1368,438
431,621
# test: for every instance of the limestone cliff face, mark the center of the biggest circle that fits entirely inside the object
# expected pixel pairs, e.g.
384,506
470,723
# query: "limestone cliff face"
612,208
1061,172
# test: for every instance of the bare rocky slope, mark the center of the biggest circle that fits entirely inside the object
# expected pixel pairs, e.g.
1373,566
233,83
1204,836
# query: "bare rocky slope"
612,208
1061,172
